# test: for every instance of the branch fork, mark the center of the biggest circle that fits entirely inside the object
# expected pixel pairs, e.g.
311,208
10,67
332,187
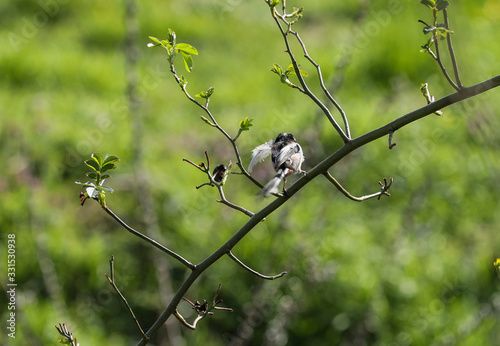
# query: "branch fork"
202,309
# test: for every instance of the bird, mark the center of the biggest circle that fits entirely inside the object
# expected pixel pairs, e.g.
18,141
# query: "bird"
286,156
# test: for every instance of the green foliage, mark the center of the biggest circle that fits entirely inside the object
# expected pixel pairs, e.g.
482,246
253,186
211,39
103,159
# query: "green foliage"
206,94
173,48
96,190
246,124
436,5
284,74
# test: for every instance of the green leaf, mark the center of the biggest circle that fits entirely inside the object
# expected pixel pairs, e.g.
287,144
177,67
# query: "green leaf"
246,124
92,163
442,4
154,39
107,188
171,37
187,48
429,3
108,167
206,94
188,61
97,157
273,3
183,81
277,69
290,71
92,175
110,158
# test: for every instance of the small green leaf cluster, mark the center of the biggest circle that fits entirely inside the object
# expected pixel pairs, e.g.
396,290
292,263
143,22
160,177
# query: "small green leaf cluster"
439,29
273,3
173,48
95,189
436,29
436,5
206,94
284,74
246,124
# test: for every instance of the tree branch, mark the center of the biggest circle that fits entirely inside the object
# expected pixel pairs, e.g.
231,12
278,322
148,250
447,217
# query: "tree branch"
215,124
383,191
452,51
306,89
151,241
437,57
322,84
112,282
265,277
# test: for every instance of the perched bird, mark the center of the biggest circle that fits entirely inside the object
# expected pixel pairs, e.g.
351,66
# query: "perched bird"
286,156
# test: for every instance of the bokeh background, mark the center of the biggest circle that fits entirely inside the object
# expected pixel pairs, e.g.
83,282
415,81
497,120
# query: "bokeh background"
412,269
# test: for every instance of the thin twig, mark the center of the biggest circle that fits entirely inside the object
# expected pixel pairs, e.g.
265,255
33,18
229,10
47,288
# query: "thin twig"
206,169
186,323
383,191
112,282
224,201
203,309
265,277
306,89
437,57
151,241
391,144
215,124
322,84
70,340
452,51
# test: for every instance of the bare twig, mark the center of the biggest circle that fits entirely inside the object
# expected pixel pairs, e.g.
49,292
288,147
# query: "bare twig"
452,51
214,123
322,84
205,168
306,89
437,57
266,277
383,191
63,330
151,241
391,144
112,282
202,309
224,201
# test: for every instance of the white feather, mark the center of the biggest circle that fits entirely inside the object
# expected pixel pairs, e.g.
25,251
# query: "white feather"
260,153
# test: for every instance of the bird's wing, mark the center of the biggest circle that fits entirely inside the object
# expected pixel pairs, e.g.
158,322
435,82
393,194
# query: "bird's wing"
260,153
287,152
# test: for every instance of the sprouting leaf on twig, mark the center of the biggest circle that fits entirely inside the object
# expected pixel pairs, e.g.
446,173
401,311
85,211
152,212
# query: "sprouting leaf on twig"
284,74
173,48
246,124
206,94
95,189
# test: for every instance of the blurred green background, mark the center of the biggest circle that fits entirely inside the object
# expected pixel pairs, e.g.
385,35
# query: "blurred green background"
412,269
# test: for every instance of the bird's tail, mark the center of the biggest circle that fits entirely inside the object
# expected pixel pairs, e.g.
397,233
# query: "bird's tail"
272,186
